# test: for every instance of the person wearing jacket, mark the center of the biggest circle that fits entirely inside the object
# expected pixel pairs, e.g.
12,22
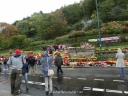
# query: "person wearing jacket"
58,63
46,62
25,71
120,62
31,63
17,61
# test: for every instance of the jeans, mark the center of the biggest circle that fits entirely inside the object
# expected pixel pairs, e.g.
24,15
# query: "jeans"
6,67
121,71
26,79
48,83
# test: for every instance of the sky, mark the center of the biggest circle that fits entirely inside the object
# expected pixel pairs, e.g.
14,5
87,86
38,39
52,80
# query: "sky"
12,10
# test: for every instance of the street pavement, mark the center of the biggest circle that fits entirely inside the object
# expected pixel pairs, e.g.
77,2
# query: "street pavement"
87,81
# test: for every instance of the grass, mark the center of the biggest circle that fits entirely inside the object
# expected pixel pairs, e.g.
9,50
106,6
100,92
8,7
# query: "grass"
113,47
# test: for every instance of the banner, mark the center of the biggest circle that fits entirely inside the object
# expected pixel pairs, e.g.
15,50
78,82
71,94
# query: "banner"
105,39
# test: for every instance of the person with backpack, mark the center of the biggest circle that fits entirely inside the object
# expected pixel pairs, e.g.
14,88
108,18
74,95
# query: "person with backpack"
31,63
17,61
25,71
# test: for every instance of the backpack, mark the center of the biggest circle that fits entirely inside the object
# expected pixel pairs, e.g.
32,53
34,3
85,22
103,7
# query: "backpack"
31,61
5,61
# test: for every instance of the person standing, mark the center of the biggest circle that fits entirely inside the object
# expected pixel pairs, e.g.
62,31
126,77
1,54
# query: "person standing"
120,56
5,63
46,61
10,51
58,63
25,71
17,61
31,63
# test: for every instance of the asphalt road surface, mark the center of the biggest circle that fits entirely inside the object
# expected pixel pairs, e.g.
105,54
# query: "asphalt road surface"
88,81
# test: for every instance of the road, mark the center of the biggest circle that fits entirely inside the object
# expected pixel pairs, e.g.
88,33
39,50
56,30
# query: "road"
88,81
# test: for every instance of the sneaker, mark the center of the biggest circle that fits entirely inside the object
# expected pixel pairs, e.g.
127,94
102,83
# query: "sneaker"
17,92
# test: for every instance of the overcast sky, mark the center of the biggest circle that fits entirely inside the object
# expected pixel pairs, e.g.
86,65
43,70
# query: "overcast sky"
12,10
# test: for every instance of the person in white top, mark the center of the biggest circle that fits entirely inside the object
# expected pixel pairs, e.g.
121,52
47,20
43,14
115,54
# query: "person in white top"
120,56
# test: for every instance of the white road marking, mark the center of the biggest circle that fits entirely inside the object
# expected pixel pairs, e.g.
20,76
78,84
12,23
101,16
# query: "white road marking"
99,79
32,82
87,88
82,78
67,77
54,77
126,92
113,91
97,89
118,80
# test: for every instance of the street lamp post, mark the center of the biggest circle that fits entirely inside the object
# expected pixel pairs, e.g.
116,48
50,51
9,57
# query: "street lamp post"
99,39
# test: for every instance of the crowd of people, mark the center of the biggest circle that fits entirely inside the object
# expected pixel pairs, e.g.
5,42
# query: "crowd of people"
22,64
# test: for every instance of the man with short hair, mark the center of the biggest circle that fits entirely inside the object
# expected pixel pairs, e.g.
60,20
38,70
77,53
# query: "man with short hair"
17,62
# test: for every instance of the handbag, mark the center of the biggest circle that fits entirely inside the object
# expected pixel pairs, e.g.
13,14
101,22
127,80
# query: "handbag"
50,71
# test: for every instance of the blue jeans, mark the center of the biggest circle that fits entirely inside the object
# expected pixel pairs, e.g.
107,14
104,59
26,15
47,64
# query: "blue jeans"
6,67
121,71
26,79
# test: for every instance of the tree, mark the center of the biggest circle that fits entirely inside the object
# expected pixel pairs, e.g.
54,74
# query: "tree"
8,31
73,13
25,28
52,25
19,41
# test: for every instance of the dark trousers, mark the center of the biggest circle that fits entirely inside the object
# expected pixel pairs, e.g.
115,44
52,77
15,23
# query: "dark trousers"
15,80
59,69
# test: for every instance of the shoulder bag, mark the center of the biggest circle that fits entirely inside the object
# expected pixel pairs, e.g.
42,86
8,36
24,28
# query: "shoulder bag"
50,71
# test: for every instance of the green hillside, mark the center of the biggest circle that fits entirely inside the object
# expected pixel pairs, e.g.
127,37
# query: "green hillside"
68,25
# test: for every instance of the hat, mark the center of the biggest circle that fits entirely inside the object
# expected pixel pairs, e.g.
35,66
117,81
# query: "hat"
17,51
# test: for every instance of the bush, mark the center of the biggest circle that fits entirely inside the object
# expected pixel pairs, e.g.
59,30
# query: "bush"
123,39
78,26
76,34
93,25
68,29
19,41
75,45
36,43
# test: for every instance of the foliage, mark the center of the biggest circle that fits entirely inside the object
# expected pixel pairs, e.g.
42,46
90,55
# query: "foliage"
8,31
19,41
75,45
123,39
68,28
36,43
45,28
93,25
54,24
73,13
113,10
76,34
78,26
